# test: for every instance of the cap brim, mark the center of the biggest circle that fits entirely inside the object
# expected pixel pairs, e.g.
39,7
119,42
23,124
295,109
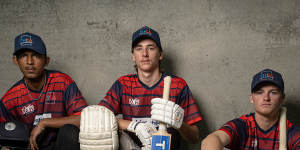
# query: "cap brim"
140,38
260,83
26,48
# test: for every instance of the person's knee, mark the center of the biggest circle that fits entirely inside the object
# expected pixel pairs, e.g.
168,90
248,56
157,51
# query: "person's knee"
67,138
68,132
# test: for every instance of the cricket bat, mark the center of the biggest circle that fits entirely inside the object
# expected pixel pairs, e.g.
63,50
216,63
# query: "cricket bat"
161,140
282,129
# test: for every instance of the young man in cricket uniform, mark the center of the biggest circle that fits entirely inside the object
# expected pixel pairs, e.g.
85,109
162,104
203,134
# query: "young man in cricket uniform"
44,100
258,130
133,95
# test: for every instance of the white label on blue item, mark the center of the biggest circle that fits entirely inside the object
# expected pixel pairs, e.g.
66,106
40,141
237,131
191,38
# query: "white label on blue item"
160,142
38,118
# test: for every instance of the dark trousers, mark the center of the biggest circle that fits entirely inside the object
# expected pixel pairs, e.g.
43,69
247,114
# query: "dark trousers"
67,139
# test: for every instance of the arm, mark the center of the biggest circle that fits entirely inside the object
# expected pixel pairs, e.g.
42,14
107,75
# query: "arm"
73,103
52,123
189,132
59,122
215,141
123,124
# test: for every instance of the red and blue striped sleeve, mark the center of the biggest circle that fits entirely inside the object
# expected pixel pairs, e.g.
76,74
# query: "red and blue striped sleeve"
7,102
186,101
5,115
293,136
72,97
113,98
236,129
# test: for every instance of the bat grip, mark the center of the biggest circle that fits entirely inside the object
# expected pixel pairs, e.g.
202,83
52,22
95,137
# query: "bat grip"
162,127
166,93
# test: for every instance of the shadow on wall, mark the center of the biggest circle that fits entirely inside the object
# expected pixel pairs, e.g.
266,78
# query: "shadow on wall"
203,132
293,110
167,65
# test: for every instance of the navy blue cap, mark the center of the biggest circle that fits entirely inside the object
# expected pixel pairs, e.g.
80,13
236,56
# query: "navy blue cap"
146,33
268,75
30,41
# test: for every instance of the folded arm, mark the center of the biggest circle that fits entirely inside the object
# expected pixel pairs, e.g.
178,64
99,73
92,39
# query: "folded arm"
215,141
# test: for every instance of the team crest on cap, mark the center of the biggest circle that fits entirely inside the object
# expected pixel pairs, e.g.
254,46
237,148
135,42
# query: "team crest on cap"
145,31
266,75
25,40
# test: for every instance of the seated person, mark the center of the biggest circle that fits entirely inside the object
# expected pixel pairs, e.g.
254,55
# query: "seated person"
258,130
44,100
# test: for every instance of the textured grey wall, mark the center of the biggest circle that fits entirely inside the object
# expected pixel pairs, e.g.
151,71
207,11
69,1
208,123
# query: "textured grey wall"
215,45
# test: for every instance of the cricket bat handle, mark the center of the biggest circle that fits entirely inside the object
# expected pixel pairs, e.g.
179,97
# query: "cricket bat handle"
166,93
282,129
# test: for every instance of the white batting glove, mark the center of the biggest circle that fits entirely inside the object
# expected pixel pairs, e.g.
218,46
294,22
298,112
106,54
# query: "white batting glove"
167,112
98,129
143,131
148,147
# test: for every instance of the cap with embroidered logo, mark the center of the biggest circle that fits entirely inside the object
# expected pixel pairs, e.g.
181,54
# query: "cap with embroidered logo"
268,75
146,33
29,41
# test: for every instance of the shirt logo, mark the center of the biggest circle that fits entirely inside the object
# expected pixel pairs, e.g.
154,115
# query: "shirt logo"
50,98
28,109
134,101
26,40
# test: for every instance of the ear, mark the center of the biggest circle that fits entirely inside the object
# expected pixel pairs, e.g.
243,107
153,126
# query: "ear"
47,61
282,99
161,56
132,57
251,99
15,60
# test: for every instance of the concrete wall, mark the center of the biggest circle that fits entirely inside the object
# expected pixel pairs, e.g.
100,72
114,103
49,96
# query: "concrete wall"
215,45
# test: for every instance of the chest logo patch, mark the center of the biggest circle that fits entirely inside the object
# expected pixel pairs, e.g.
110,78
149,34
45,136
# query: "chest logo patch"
28,109
50,98
134,101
